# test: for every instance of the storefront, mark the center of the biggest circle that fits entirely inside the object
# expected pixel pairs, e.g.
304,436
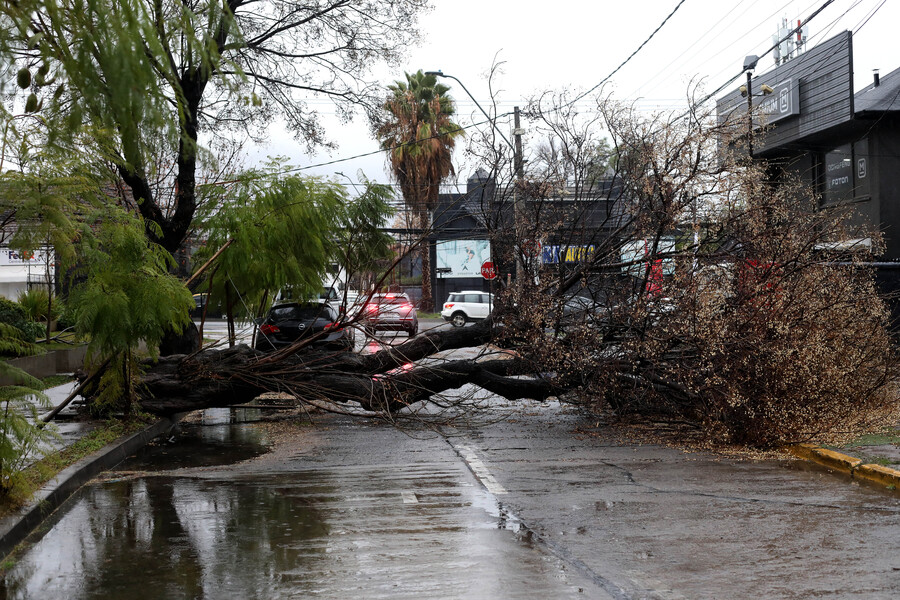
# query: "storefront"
20,271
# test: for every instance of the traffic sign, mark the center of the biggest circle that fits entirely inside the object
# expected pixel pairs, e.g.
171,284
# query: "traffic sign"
488,271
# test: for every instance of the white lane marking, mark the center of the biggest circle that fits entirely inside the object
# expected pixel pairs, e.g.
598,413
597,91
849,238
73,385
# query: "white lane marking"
481,471
409,498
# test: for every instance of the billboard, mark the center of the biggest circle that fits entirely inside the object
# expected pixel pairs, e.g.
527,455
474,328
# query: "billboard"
810,93
461,258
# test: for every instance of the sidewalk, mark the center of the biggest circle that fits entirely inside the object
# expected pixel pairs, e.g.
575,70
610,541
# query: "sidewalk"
16,527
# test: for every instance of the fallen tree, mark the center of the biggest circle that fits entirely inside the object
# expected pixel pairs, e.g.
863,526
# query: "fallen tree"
702,288
386,381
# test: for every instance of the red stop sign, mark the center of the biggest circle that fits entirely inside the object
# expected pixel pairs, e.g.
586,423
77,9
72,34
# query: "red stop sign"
488,271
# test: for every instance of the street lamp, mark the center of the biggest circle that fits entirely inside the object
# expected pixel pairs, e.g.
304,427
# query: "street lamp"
746,90
518,163
749,66
440,73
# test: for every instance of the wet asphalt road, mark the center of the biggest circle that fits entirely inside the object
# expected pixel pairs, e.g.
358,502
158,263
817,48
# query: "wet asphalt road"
538,504
535,506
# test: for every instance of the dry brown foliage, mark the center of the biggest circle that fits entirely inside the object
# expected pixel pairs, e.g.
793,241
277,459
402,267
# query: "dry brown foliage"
763,329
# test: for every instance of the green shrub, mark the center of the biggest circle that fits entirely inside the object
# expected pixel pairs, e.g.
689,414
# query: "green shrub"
35,300
14,314
66,318
13,342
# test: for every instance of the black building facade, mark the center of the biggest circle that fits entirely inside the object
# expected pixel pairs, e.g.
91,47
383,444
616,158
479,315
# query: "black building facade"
560,228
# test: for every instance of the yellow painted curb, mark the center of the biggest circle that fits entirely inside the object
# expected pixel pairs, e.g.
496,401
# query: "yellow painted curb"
878,474
846,464
828,458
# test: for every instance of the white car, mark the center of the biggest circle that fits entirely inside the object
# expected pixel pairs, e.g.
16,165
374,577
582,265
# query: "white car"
462,307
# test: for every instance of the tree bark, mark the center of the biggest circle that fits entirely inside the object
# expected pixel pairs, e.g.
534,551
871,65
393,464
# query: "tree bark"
385,382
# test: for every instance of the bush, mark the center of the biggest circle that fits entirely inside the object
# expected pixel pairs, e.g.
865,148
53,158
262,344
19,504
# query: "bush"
66,318
34,301
14,314
13,343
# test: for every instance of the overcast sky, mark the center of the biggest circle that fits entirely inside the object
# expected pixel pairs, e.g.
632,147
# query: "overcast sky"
575,44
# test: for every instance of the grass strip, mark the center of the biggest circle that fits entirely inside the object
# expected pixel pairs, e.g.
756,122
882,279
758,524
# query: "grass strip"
39,473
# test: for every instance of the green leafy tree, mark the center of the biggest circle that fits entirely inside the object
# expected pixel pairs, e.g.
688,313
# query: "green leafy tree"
45,200
362,244
151,76
285,232
22,436
128,297
419,132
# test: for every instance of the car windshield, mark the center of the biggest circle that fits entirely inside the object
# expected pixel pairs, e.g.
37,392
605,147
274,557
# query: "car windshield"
306,312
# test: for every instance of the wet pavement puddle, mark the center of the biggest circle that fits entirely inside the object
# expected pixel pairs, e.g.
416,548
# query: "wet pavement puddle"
425,530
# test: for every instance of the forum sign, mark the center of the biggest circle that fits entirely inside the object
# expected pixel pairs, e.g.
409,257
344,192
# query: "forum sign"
810,93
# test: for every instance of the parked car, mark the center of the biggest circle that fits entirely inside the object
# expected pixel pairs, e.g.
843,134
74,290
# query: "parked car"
462,307
390,312
200,302
579,310
289,322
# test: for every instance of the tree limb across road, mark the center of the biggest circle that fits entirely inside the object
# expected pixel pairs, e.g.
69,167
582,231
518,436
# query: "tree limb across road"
385,382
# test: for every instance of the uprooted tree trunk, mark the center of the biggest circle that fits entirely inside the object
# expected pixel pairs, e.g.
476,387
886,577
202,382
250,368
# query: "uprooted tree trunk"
386,381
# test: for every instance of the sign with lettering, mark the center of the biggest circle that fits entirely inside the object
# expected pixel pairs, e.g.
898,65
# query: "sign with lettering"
839,175
554,254
784,102
8,256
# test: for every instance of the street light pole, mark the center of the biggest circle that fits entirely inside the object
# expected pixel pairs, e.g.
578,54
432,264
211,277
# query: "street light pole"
749,66
518,162
749,116
484,112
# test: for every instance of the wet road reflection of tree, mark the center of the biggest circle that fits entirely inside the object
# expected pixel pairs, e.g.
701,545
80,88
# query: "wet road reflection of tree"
163,537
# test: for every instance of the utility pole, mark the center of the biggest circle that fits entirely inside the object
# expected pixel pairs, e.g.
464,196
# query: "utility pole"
749,66
517,133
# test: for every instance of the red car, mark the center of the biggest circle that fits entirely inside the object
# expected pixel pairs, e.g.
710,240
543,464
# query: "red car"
390,312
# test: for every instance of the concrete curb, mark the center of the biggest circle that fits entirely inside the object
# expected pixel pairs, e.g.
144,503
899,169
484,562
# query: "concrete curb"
843,463
15,528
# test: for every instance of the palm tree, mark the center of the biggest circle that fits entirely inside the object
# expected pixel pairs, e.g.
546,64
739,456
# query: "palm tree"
420,135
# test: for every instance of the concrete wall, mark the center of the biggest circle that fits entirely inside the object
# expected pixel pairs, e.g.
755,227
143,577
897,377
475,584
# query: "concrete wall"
52,363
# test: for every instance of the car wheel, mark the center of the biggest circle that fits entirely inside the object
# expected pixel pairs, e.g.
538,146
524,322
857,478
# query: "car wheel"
458,319
412,331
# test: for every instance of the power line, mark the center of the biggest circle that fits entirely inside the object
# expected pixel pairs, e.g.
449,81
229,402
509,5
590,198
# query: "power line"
627,60
576,99
741,74
658,79
506,114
